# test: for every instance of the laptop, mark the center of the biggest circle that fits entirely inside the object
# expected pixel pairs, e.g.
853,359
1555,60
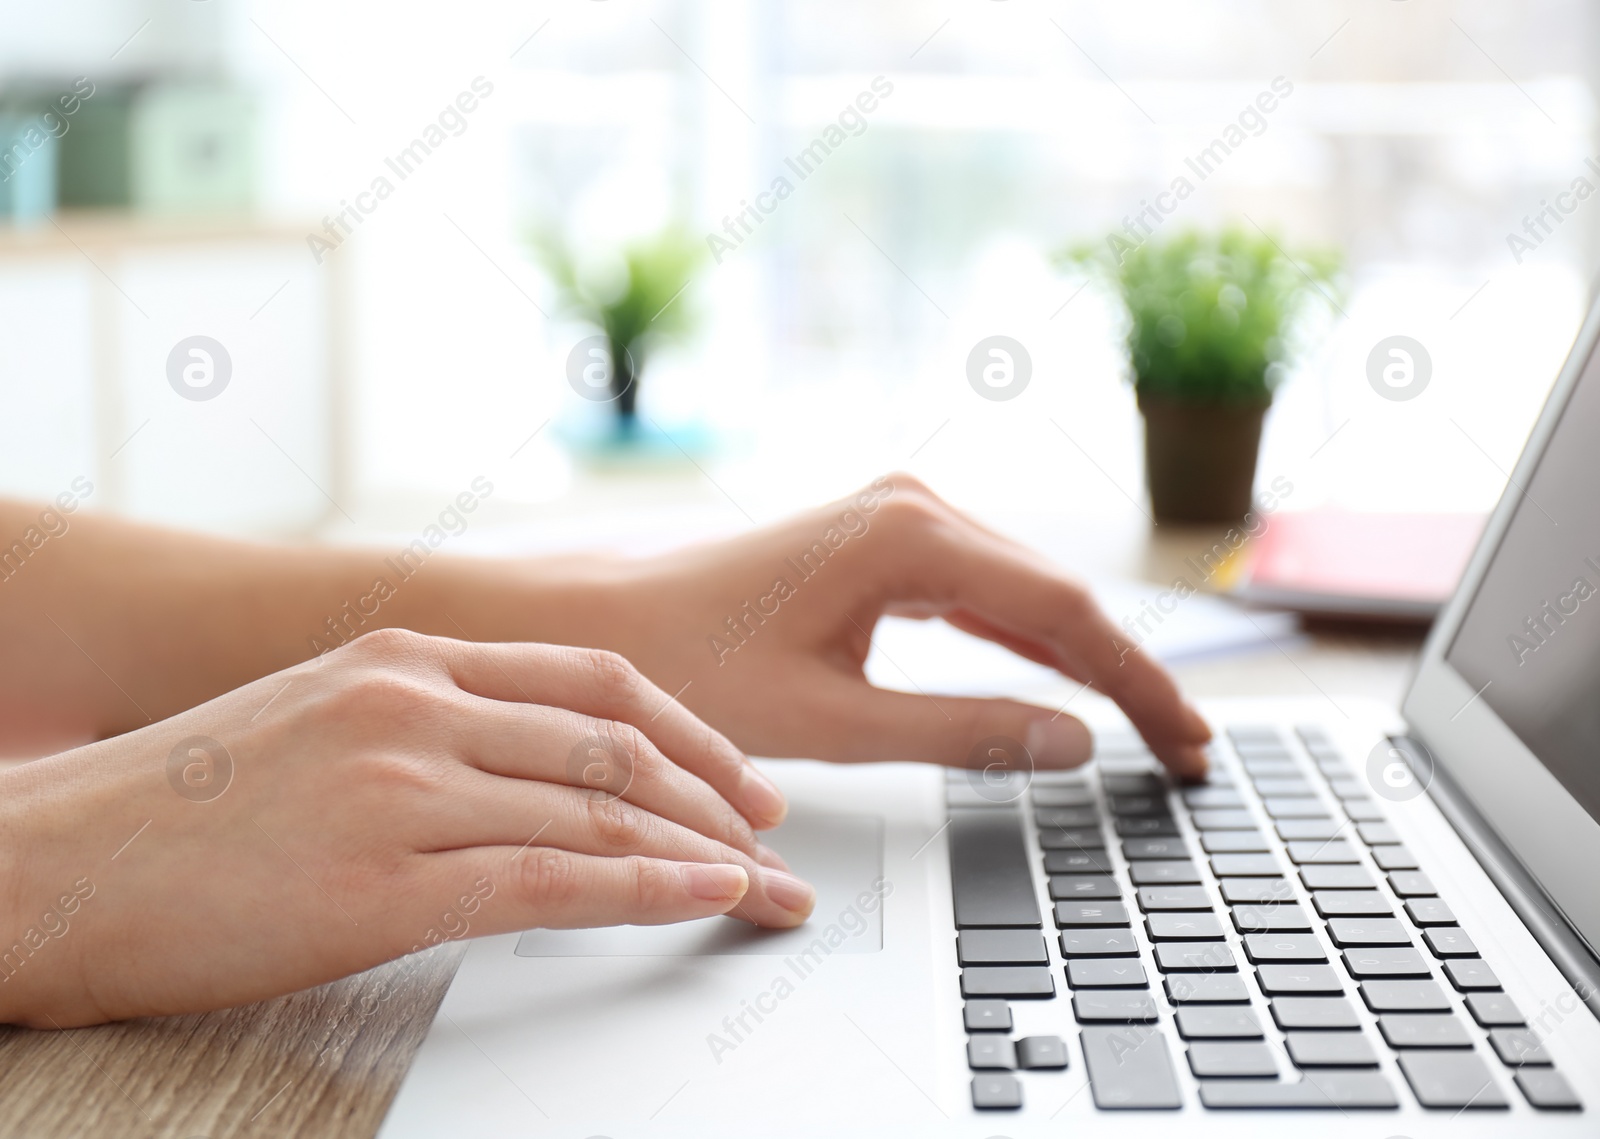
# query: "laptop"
1368,922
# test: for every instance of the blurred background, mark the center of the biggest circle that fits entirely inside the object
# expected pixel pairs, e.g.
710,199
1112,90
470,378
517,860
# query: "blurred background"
355,205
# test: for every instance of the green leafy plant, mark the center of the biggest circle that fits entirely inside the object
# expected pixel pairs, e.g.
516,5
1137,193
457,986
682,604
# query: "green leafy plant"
637,299
1210,316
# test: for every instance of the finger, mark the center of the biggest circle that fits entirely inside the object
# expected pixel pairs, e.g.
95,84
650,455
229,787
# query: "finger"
865,724
1021,598
605,686
491,810
558,889
613,759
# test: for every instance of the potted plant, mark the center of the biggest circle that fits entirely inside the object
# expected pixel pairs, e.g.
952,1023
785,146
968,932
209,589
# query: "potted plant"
1210,318
636,301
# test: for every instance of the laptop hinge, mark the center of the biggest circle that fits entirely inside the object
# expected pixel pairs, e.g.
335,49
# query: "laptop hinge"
1532,904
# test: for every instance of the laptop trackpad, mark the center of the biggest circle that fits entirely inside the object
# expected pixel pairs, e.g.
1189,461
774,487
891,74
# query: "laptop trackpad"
841,855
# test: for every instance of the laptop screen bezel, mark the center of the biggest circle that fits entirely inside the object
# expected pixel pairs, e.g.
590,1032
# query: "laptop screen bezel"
1550,833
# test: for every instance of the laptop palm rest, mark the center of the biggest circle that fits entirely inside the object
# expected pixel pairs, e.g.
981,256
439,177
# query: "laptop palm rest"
841,855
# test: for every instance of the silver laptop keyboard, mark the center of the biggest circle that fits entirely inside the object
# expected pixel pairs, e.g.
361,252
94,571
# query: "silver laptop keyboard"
1235,926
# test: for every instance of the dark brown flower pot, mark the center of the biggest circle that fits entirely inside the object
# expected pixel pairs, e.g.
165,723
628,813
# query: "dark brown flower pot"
1200,459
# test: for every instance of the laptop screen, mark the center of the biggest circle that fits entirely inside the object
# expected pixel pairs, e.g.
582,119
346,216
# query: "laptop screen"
1529,640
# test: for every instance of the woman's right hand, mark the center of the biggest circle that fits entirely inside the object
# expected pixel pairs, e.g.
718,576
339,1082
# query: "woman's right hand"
394,793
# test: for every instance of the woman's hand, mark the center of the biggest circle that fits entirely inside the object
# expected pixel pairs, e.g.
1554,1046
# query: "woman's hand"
766,636
398,792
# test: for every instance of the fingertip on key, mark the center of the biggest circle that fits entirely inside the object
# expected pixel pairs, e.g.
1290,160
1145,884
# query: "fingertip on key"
1061,741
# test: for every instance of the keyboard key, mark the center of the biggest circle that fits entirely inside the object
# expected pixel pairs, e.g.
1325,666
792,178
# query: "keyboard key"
991,1052
1139,805
1377,834
1078,862
1337,878
1212,798
1304,852
1223,820
1194,957
1066,818
989,874
1007,981
986,1016
1331,1050
1322,1089
1202,1022
1064,887
1467,973
1548,1089
1271,919
1069,838
1231,1058
1351,903
1314,1012
1518,1047
1362,811
1000,947
1092,1006
1296,980
1069,796
1139,826
1404,996
1449,941
1411,884
1129,783
1234,842
1257,890
1494,1010
1351,932
1346,786
1393,858
1173,898
1256,735
1386,961
1105,973
1206,988
1316,830
996,1090
1451,1079
1098,943
1423,1031
1430,911
1287,808
1164,926
1245,866
1041,1052
1129,1069
1261,947
1164,873
1091,914
1284,787
1136,849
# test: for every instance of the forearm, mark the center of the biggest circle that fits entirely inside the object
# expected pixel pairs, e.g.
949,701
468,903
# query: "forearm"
109,625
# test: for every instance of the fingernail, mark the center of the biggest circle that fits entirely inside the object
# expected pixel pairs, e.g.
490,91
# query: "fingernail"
1060,742
788,891
716,882
769,857
1197,723
761,796
1193,763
